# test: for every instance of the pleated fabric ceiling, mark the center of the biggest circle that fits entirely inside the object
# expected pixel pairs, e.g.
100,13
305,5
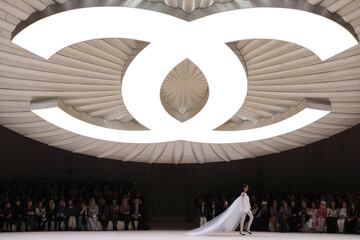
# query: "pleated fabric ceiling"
87,77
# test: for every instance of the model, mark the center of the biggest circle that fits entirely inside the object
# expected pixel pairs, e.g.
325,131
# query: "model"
230,219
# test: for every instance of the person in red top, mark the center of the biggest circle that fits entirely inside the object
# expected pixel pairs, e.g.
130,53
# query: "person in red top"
321,216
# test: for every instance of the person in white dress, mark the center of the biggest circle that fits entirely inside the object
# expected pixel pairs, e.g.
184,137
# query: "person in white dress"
230,219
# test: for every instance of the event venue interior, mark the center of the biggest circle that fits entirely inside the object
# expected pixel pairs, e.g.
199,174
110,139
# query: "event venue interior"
146,119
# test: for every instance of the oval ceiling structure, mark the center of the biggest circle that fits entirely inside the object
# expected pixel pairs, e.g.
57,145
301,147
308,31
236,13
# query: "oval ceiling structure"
87,77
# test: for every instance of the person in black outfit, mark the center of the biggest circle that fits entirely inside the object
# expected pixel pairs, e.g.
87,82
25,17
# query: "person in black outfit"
29,216
294,218
213,210
256,211
83,217
202,213
303,215
61,216
103,214
332,215
137,214
8,215
264,217
114,214
351,221
18,215
72,213
51,215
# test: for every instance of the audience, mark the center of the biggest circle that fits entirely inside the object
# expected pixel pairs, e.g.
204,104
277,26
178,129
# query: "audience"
293,212
96,206
70,206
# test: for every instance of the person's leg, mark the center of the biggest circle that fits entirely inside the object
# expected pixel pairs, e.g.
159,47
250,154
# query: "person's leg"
251,219
58,228
49,224
7,226
357,228
319,224
242,221
114,224
18,225
322,224
38,227
339,225
26,224
93,224
135,223
127,221
69,220
57,224
62,224
281,224
75,223
328,224
334,224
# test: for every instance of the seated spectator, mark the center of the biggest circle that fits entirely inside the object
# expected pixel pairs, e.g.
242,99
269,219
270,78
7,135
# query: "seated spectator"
125,212
29,216
351,221
40,216
255,210
18,215
137,213
264,217
72,214
294,218
114,214
357,230
104,213
83,217
304,217
61,216
52,215
332,216
342,217
214,210
312,221
93,214
202,213
274,219
321,216
8,216
284,215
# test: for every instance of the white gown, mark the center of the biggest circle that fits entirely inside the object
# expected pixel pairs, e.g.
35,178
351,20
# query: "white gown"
228,221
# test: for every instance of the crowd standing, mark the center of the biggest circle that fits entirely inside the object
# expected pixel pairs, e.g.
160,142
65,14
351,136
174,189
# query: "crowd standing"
284,211
66,206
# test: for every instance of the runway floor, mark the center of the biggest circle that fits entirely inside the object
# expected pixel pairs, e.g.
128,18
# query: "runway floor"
168,235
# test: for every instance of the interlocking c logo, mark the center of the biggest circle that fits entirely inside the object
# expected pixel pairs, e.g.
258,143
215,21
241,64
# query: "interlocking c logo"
171,41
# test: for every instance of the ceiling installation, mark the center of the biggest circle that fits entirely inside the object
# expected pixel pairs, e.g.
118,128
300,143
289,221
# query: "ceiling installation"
86,80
